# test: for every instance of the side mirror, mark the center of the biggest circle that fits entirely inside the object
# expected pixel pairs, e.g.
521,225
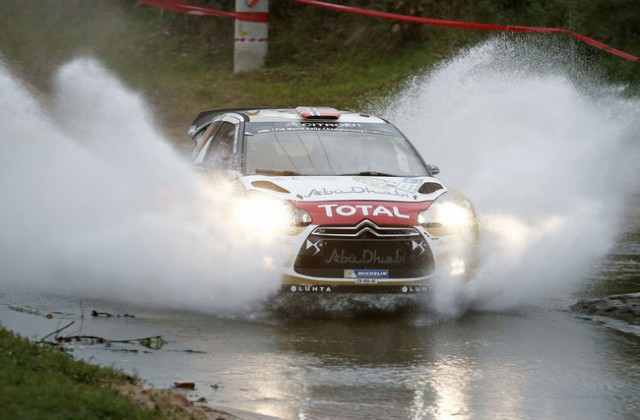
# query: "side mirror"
433,170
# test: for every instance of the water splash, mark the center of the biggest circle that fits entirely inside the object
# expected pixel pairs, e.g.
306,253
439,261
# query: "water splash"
96,203
546,153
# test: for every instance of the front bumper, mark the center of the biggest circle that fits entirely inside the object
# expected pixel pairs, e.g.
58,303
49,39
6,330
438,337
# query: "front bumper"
299,284
331,260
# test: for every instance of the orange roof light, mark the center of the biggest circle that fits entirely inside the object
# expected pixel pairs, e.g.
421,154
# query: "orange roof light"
318,113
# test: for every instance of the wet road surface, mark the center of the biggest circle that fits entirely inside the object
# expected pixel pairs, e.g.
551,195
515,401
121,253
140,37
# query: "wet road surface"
529,364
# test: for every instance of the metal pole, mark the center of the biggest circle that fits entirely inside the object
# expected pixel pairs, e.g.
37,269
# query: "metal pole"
251,38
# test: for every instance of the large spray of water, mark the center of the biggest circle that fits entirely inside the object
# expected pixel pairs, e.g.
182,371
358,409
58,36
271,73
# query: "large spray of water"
95,203
546,157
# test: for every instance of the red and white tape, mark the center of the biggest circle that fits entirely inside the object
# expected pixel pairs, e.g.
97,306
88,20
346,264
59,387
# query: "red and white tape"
178,7
468,25
247,39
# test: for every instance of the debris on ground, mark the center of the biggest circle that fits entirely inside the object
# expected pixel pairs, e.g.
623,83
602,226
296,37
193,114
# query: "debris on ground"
54,333
154,343
191,351
98,314
136,351
62,314
624,307
25,309
82,339
184,385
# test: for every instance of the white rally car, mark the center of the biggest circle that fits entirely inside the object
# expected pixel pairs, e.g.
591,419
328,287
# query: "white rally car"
348,195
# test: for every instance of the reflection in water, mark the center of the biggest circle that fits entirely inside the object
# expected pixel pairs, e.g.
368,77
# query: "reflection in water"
530,365
450,381
441,393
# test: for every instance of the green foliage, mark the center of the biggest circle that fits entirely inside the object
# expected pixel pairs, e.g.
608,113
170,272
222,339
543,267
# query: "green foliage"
615,22
183,64
37,382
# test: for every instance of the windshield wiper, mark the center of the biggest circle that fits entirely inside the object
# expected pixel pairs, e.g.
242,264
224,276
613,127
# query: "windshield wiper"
276,172
369,173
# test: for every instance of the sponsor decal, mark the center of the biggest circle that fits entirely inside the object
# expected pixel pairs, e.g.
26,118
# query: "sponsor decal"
367,273
408,186
415,289
322,124
305,288
319,126
368,276
324,192
348,210
366,256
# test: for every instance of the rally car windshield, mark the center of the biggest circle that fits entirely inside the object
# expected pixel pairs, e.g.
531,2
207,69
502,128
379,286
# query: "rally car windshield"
300,150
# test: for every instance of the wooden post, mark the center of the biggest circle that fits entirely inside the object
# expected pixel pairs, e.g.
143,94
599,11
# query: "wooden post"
251,38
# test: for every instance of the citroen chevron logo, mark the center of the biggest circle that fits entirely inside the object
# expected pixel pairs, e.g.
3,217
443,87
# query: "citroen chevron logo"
418,245
315,245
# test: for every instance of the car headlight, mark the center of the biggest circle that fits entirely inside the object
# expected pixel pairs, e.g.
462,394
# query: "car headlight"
264,215
300,217
449,214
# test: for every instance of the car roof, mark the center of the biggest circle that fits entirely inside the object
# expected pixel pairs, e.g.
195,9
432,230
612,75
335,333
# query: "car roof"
278,115
291,114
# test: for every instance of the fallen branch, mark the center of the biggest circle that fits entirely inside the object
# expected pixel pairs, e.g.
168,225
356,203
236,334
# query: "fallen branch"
87,339
184,385
43,339
154,343
98,314
29,310
191,351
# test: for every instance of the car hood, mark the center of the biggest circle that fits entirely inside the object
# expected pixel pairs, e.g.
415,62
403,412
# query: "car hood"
347,188
350,200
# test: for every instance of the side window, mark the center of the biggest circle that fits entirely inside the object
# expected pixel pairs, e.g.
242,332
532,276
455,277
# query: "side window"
220,151
203,136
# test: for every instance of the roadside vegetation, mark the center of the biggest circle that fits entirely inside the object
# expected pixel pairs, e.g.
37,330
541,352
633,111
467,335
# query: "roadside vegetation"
38,382
182,64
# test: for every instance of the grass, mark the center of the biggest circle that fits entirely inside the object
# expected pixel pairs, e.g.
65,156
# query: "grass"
183,64
187,80
38,382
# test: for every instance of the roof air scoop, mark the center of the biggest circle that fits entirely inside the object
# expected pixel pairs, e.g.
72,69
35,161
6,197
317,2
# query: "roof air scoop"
268,185
430,187
318,113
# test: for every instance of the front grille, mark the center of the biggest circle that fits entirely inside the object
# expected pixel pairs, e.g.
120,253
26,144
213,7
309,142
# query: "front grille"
365,227
330,250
